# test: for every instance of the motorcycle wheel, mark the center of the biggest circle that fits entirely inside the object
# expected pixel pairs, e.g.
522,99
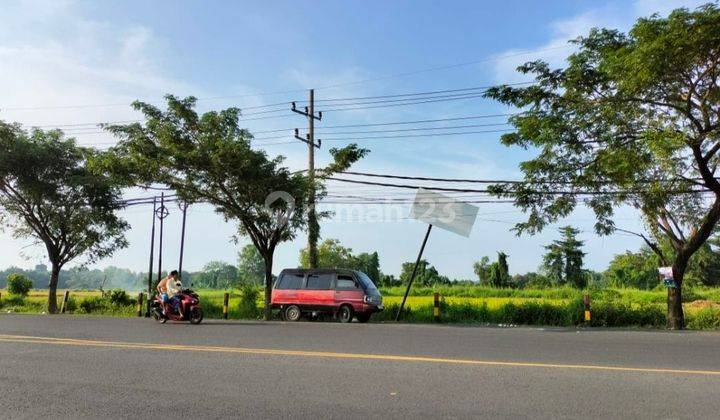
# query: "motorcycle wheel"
159,317
196,315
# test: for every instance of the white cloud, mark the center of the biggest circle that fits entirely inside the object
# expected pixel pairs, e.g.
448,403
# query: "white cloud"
52,54
557,48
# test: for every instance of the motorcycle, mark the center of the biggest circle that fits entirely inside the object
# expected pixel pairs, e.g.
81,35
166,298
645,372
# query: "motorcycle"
189,307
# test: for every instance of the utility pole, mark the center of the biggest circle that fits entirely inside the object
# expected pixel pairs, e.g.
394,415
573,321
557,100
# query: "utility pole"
313,226
152,251
162,212
183,207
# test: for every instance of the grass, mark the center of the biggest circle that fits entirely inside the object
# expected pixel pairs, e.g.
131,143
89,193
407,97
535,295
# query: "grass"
611,307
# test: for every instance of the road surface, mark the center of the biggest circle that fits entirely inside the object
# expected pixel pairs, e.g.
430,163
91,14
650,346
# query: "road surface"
110,367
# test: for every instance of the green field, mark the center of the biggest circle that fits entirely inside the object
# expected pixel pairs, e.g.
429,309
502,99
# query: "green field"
460,304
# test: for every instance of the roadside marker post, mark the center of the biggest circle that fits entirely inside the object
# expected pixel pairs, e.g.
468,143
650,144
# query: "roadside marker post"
436,307
586,303
65,300
226,300
444,212
140,304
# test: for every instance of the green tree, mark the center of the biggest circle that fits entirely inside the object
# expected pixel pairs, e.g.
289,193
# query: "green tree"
633,269
563,262
633,119
332,254
208,158
482,269
17,284
426,274
368,263
500,272
217,275
251,266
50,195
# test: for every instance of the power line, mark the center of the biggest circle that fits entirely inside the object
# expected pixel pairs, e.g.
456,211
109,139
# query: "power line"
416,135
493,181
431,92
551,192
284,92
417,102
445,67
406,136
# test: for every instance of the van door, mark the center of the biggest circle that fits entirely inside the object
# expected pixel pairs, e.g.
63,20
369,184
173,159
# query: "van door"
348,290
318,291
287,288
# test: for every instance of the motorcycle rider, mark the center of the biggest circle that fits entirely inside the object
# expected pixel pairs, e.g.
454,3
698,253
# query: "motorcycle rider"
174,288
164,288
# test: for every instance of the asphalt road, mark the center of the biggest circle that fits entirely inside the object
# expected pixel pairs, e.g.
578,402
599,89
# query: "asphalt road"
118,368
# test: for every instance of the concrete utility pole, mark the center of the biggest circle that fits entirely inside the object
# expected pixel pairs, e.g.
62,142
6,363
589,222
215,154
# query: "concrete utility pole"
313,226
152,252
162,212
183,207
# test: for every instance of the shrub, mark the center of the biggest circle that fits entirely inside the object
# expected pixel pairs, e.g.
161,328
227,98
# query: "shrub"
13,300
19,285
92,304
118,297
706,318
248,307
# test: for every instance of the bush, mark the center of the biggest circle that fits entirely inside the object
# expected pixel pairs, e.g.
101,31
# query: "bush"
92,304
118,297
19,285
13,300
704,319
248,307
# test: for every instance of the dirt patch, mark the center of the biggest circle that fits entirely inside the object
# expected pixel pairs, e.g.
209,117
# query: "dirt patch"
702,304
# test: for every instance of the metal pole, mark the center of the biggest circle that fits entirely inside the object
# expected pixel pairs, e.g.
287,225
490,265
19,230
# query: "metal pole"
160,249
152,252
312,217
184,207
412,276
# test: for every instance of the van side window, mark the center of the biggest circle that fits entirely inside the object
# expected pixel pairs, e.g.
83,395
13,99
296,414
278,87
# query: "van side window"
290,282
345,282
319,281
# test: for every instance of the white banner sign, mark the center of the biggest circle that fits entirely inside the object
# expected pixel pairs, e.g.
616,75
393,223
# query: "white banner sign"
444,212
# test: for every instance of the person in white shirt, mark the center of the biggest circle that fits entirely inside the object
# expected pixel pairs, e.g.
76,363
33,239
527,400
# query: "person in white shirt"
174,287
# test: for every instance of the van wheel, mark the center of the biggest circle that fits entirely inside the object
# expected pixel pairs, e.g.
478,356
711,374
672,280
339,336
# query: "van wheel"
292,313
345,314
363,318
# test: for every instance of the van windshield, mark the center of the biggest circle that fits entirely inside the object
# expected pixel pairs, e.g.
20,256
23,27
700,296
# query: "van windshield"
368,284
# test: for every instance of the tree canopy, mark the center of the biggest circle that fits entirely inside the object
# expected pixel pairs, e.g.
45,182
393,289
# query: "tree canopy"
563,262
332,254
50,194
208,158
632,120
251,266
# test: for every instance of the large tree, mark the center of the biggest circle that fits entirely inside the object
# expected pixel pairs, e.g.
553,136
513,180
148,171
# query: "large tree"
563,261
208,158
632,119
251,266
49,194
499,274
332,254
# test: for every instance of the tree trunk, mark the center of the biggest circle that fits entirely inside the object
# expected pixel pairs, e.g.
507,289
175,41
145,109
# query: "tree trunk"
313,234
52,288
675,314
268,285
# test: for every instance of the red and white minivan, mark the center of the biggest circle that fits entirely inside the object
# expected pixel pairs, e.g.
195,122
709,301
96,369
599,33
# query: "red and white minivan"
346,294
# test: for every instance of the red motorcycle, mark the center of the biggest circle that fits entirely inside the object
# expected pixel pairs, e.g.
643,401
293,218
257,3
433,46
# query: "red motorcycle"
189,307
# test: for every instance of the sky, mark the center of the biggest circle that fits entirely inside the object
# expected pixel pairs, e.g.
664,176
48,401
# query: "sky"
65,62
